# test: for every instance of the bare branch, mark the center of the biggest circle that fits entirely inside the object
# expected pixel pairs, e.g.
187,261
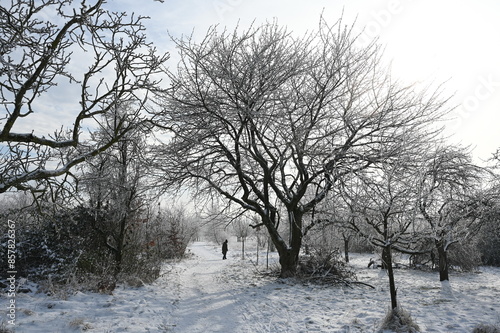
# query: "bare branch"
271,121
103,54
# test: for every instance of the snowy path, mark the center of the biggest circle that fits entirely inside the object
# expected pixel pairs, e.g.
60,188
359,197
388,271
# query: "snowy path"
206,303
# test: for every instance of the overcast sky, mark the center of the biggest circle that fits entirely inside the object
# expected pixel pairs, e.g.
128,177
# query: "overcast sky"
457,42
426,41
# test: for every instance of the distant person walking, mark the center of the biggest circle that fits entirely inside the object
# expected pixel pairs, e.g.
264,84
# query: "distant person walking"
224,249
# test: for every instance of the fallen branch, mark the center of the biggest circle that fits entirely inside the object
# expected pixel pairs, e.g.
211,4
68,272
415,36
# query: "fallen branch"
363,283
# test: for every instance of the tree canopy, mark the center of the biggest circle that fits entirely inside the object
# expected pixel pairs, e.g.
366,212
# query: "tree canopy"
96,57
271,121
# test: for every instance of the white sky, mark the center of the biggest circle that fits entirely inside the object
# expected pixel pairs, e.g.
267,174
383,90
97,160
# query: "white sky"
427,41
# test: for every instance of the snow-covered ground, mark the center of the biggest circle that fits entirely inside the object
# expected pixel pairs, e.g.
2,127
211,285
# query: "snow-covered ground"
207,294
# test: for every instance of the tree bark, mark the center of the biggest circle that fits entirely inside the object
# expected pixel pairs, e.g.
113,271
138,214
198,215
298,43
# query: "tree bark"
288,255
289,260
242,248
443,261
346,248
386,257
390,273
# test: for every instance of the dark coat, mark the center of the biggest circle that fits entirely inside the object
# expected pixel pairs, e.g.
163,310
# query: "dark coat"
224,247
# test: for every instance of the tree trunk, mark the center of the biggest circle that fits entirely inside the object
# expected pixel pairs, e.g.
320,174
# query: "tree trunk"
289,255
288,261
443,261
257,263
390,273
267,253
243,248
346,248
386,257
120,246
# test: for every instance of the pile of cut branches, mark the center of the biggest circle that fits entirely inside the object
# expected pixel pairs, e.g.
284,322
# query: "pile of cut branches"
325,266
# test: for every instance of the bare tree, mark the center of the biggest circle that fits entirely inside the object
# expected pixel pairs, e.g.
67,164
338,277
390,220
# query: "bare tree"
383,211
488,240
174,230
82,55
450,199
272,122
331,222
215,221
119,193
241,230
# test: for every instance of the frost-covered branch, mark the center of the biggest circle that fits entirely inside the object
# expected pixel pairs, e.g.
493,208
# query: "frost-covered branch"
71,63
272,121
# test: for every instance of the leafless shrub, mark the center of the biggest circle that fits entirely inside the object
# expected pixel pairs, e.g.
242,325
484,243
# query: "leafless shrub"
79,323
464,257
174,229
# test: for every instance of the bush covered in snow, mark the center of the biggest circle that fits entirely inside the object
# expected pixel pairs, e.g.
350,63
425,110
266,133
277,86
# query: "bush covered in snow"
46,245
4,328
173,230
77,247
464,256
489,242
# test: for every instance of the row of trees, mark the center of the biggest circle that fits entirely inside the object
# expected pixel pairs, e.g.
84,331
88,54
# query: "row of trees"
298,131
418,205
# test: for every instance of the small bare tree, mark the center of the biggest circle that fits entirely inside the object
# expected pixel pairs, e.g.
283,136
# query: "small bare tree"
75,57
175,229
450,199
241,230
383,211
119,194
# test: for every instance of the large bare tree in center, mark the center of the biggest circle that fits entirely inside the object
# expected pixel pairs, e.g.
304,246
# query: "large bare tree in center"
271,122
